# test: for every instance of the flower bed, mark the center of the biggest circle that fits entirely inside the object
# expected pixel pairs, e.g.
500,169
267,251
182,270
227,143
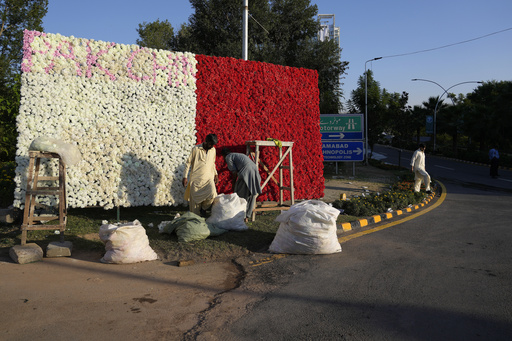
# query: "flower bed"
400,196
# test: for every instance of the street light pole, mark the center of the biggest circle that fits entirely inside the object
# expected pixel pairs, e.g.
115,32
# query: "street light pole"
366,107
439,99
245,34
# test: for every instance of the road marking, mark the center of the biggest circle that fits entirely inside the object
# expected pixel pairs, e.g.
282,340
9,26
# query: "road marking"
378,156
444,167
505,179
379,228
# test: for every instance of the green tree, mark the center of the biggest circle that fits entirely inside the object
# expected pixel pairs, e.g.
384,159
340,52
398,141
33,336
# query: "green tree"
451,118
9,108
215,27
375,106
293,24
16,16
430,107
418,121
157,34
399,119
488,119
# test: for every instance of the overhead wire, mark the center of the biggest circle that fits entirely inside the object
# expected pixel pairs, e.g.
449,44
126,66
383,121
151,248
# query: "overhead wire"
449,45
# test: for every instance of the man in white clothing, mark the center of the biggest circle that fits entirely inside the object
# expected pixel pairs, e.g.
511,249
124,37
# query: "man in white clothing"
418,167
200,189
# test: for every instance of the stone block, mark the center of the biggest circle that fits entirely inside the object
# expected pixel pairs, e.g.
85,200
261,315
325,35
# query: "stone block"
59,249
8,215
28,253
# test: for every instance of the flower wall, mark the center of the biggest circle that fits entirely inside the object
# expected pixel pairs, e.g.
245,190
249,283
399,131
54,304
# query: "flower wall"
135,113
245,100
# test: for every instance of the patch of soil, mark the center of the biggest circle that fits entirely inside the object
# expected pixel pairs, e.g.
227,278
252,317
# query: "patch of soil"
365,179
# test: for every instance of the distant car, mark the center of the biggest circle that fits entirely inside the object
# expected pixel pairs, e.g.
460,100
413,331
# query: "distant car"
385,138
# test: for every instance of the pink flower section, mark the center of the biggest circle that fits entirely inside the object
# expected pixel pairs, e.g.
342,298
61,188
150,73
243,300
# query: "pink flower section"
178,70
28,38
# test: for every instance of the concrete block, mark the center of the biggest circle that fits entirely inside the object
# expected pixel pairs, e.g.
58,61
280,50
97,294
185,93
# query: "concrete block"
58,249
28,253
8,215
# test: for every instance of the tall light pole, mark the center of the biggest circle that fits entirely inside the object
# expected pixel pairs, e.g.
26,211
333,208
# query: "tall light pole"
366,107
245,34
439,99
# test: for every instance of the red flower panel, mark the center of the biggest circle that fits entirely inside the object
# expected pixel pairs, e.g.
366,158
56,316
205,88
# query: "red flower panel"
244,100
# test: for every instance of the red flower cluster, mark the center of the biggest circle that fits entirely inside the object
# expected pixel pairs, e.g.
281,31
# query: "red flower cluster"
244,100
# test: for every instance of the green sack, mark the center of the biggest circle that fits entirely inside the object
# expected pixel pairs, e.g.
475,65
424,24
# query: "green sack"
190,227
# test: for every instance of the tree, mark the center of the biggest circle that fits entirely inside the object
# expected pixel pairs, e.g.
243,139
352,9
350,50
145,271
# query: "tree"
216,27
488,119
418,121
450,120
157,34
293,23
375,105
398,118
16,16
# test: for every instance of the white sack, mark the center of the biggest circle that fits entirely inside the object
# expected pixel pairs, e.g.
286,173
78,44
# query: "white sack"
126,243
308,227
228,212
68,152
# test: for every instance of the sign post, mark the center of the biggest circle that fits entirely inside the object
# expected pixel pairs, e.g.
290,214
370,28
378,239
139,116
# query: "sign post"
342,138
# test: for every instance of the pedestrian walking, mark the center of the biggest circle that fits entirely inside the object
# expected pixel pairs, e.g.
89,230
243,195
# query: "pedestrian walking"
494,160
418,168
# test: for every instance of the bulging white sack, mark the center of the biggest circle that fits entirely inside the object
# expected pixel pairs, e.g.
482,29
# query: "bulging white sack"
308,227
228,212
68,152
126,243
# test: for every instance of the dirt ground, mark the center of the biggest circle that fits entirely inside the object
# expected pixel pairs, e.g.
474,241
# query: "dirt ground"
80,298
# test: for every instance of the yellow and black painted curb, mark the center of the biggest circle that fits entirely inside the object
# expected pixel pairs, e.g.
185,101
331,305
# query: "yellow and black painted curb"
346,227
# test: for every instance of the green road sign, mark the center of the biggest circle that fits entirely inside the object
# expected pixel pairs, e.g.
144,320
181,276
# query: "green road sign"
341,123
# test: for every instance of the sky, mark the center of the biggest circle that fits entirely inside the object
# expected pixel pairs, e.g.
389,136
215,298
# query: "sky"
443,41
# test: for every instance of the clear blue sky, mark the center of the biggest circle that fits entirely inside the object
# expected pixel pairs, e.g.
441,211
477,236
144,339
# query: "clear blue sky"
368,29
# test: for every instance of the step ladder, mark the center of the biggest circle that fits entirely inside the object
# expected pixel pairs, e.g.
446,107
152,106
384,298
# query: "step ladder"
31,220
285,152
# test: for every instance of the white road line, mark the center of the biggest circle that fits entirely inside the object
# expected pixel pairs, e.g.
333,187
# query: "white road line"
505,179
444,167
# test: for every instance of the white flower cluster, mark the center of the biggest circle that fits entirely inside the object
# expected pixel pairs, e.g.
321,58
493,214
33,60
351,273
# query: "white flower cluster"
134,130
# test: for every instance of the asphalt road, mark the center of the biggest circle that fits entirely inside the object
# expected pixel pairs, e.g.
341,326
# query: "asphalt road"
444,275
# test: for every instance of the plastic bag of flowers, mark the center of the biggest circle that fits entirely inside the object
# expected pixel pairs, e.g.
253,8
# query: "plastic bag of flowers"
68,152
308,227
126,243
228,212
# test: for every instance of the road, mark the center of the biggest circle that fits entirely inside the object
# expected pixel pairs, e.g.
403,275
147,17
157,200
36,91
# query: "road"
444,275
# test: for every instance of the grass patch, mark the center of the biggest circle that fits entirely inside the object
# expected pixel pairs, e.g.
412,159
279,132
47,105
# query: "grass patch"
84,224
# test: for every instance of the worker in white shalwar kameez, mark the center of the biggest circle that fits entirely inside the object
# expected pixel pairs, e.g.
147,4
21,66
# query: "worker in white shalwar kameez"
418,167
247,176
200,184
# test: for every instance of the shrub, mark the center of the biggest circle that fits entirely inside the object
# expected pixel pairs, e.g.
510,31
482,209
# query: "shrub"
7,184
400,196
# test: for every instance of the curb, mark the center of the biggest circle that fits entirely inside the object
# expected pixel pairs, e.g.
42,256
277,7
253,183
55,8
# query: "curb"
347,227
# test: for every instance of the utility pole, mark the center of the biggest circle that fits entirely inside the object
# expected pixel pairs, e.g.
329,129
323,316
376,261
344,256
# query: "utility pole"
245,24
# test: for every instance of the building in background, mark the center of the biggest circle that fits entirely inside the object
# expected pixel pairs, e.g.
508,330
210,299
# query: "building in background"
328,30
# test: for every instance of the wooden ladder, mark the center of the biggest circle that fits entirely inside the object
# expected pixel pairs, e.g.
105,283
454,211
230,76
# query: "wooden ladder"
269,206
31,221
